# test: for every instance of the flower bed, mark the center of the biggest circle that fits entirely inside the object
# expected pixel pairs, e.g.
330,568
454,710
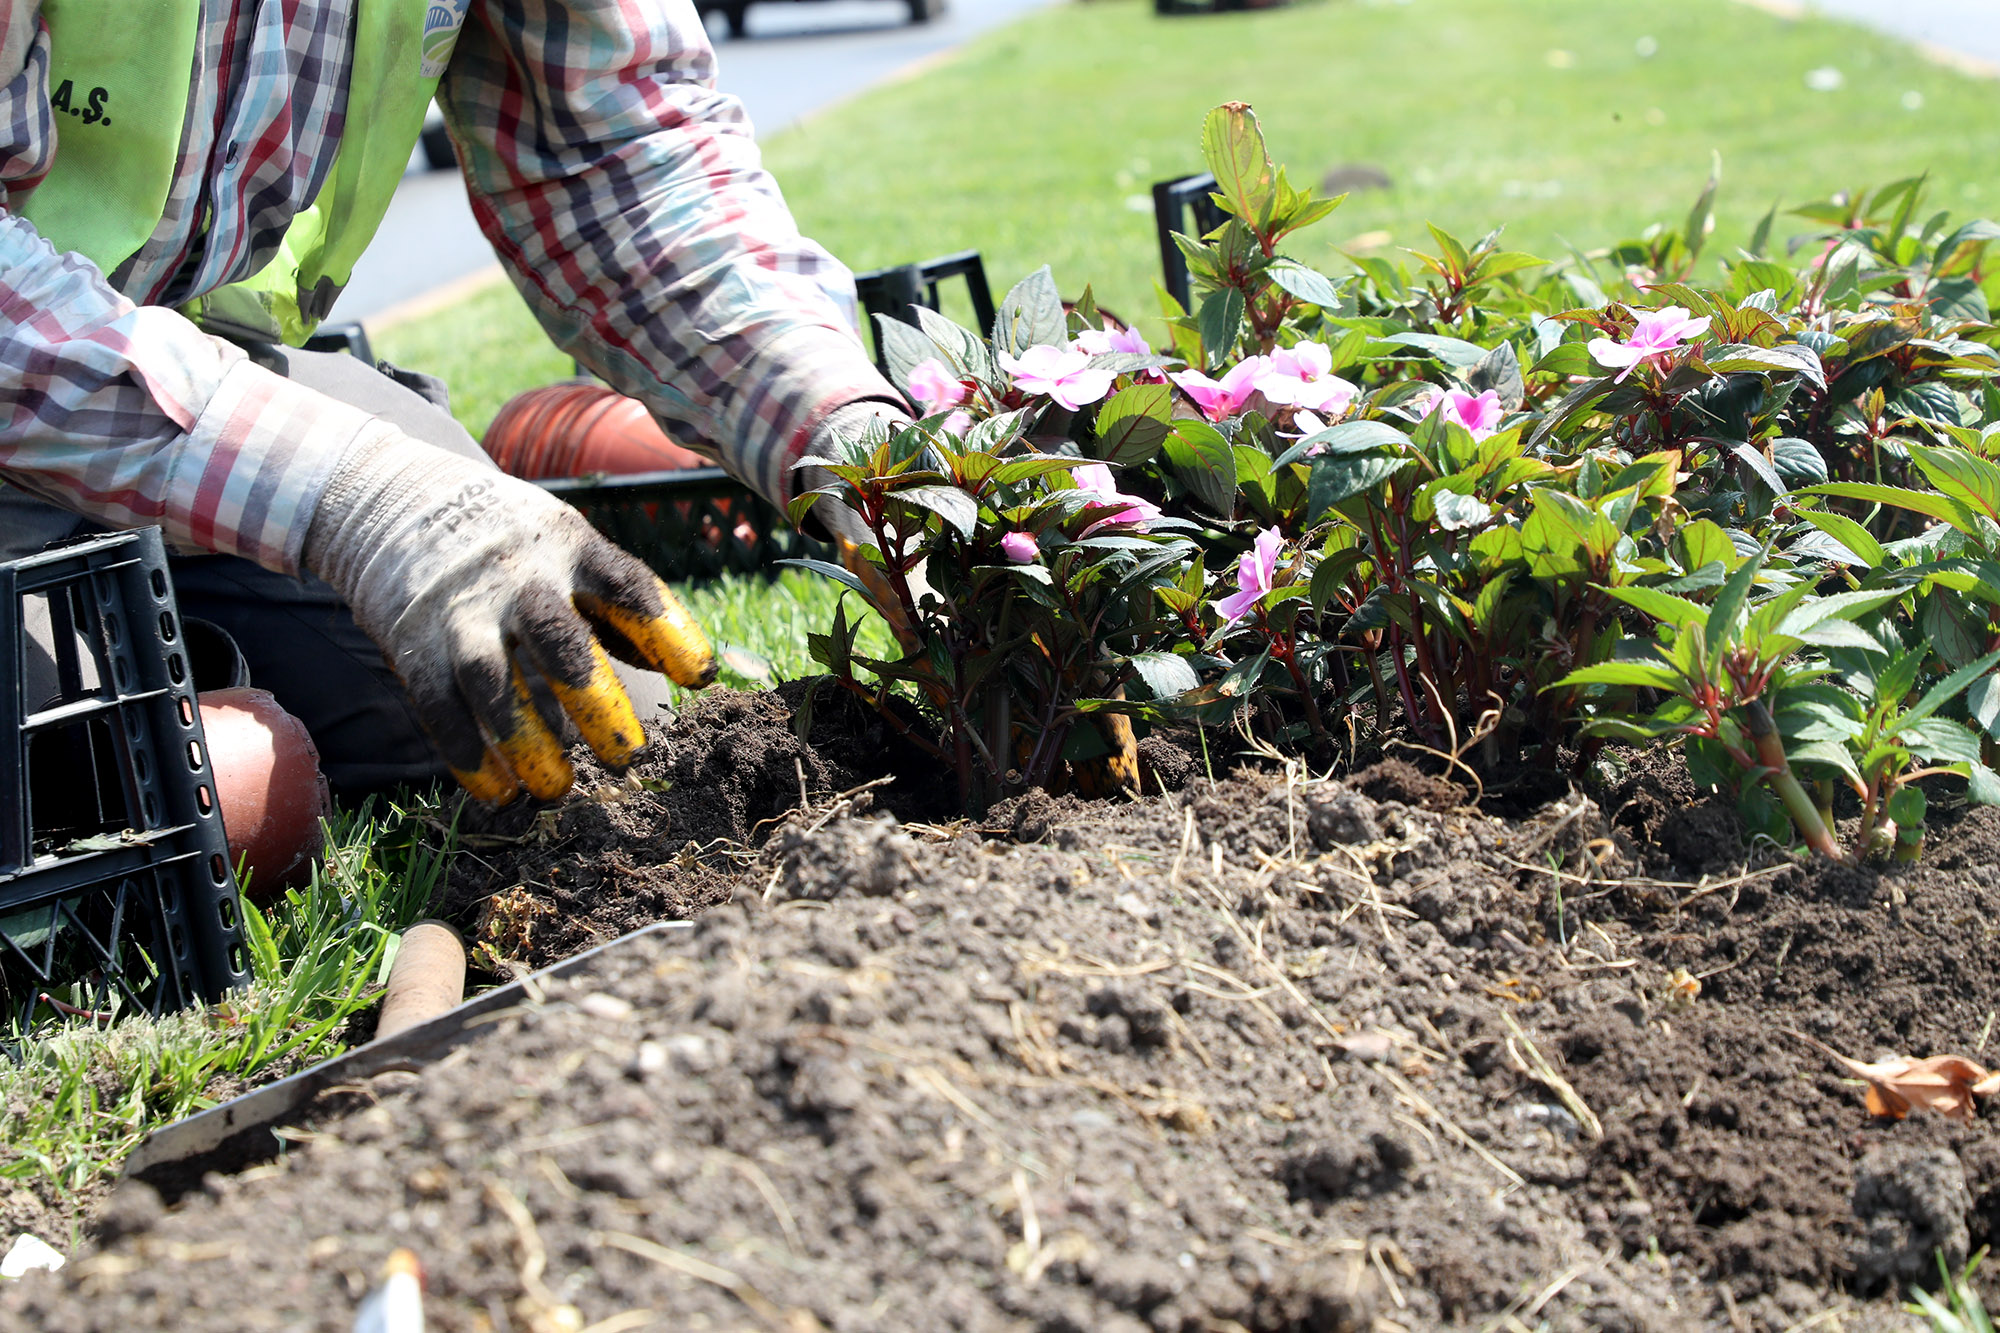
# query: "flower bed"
1498,508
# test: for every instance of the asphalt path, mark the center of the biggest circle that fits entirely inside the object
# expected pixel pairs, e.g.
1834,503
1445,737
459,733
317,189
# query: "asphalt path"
1968,27
798,58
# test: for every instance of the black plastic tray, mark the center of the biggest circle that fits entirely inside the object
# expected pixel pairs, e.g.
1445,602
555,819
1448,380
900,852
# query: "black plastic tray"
116,892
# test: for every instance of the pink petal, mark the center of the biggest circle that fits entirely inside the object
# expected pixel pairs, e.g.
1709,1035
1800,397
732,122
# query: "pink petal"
1236,605
1019,547
1080,387
1608,353
934,386
1269,542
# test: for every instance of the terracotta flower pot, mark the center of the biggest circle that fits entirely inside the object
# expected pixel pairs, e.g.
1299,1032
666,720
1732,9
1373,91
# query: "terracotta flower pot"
268,786
577,428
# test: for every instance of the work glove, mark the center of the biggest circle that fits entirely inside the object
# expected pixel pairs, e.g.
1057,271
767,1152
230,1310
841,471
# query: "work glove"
468,580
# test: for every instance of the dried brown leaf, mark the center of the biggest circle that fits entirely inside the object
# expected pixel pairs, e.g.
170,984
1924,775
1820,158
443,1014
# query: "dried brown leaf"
1942,1083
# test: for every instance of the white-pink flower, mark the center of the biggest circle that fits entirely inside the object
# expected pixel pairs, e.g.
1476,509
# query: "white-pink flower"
1657,333
1478,413
1102,342
1132,510
1019,547
934,387
1224,397
1063,373
1254,574
958,423
1302,376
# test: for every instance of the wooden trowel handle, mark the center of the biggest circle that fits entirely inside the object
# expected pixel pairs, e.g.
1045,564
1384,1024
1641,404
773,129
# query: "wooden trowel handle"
427,978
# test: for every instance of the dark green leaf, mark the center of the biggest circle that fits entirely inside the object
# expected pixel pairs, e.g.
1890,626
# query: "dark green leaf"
947,502
1133,425
1167,675
1220,320
1032,315
1344,477
1308,285
1203,462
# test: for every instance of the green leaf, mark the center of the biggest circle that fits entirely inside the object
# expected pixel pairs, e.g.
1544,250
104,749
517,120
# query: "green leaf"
1858,540
1663,606
1793,357
1233,147
1982,703
1764,815
1349,437
1455,511
1202,461
1220,320
1799,462
1454,352
1832,754
1983,784
1134,424
1500,371
1962,475
904,347
1940,739
1928,503
1942,693
1167,675
1730,601
947,502
964,351
1645,675
1016,470
1838,606
1626,729
1307,284
835,572
1032,315
1343,477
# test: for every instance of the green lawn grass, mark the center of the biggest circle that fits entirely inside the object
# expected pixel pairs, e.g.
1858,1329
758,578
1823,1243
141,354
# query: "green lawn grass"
1038,142
79,1099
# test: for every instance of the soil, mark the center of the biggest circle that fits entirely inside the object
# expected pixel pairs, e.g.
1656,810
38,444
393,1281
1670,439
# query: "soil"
1265,1054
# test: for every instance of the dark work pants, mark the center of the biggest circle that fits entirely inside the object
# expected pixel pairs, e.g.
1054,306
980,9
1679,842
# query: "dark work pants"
294,634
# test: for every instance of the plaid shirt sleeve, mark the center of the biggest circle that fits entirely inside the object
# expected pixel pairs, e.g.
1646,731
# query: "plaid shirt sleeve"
628,200
124,411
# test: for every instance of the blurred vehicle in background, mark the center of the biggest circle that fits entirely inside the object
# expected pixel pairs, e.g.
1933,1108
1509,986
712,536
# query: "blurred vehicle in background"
736,12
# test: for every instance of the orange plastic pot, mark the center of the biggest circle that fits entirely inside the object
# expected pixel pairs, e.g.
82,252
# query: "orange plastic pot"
267,785
576,428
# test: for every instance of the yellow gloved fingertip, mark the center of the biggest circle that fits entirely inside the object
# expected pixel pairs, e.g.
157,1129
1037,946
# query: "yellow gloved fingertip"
492,782
532,751
670,640
603,712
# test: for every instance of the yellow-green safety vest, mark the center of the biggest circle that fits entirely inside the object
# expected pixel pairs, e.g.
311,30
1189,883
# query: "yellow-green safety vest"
120,75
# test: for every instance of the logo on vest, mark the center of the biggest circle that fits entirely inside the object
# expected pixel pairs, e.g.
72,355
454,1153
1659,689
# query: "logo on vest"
442,20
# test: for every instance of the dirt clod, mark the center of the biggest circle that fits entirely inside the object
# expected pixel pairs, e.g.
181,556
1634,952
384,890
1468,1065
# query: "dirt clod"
1253,1054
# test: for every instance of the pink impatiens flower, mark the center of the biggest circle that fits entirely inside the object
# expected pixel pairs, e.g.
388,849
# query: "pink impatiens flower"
1102,342
1019,547
1133,510
1657,333
934,387
1062,373
1224,397
1254,573
1302,376
1479,413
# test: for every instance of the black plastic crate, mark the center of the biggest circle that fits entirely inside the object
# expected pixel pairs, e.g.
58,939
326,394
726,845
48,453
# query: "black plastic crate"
896,292
116,892
690,526
1183,205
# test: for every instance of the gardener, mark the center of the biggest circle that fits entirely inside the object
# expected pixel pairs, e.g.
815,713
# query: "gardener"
184,189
